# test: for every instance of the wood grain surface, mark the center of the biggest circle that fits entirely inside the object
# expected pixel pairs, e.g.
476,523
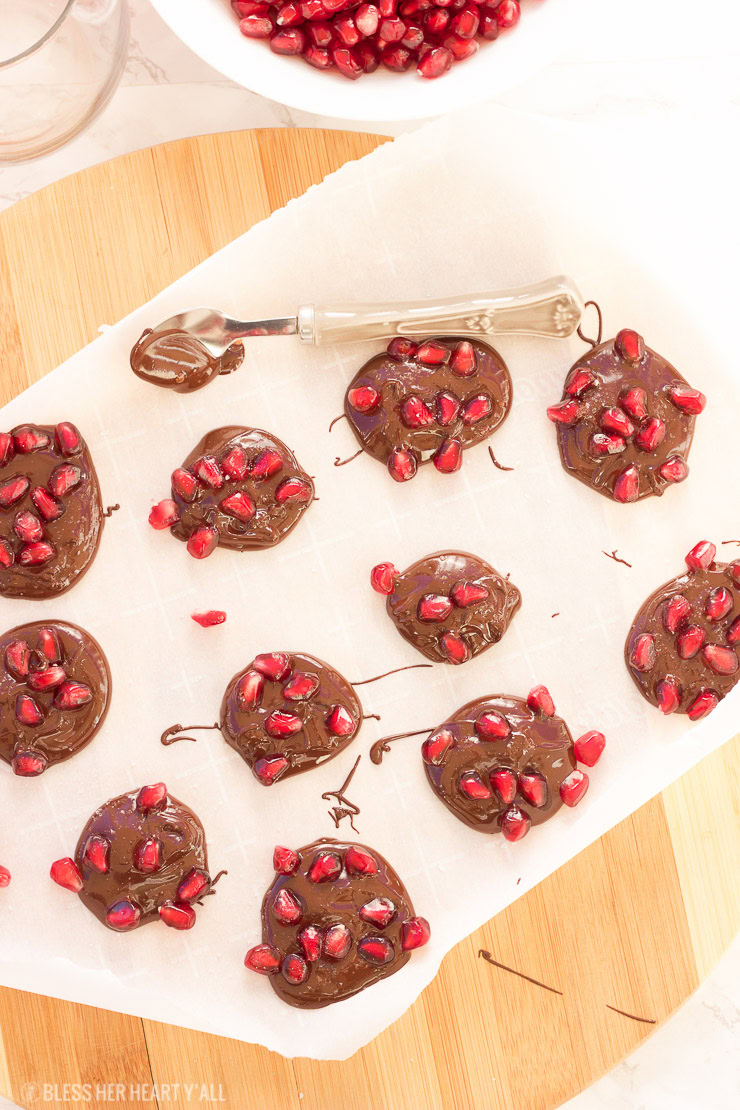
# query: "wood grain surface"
634,922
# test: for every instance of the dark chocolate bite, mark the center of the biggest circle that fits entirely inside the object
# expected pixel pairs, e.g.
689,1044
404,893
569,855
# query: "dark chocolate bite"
240,488
682,649
450,606
502,764
141,857
51,515
336,919
626,420
177,360
287,712
427,402
54,693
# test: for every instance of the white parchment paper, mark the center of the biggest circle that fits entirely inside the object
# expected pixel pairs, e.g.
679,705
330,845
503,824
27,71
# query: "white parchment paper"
476,202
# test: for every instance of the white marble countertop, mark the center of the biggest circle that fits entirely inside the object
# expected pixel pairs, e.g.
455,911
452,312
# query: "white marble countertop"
168,93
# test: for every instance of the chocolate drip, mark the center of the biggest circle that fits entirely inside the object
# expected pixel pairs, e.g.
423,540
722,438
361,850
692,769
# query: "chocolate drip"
380,747
169,736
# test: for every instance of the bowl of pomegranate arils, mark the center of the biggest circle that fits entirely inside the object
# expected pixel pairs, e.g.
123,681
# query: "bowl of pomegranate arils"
373,59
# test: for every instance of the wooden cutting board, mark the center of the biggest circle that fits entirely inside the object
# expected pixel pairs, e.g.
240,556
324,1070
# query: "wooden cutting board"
632,924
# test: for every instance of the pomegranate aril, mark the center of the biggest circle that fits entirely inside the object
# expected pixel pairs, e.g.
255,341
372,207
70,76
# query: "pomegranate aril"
4,876
415,933
376,950
401,348
718,604
689,641
64,478
433,608
208,472
540,700
249,690
274,665
391,30
12,490
17,658
402,464
48,645
269,769
68,439
266,465
239,505
515,823
675,611
257,26
35,554
473,786
627,485
379,912
96,853
285,860
359,862
437,22
367,18
668,693
415,413
151,797
704,702
347,62
364,398
722,660
66,873
48,506
465,594
579,382
27,526
293,489
27,711
465,23
263,958
184,484
702,556
194,885
320,33
614,420
164,515
674,469
435,63
325,868
177,915
202,542
397,58
337,942
281,725
234,463
507,14
123,915
643,654
488,28
690,401
634,403
72,695
387,7
413,38
533,788
310,939
448,456
340,721
651,434
604,443
733,632
504,783
492,726
435,747
46,679
564,413
630,345
432,353
318,57
460,48
589,747
26,440
346,31
573,788
477,409
314,9
734,569
447,408
455,648
383,578
7,449
148,855
301,686
7,555
207,618
286,908
28,764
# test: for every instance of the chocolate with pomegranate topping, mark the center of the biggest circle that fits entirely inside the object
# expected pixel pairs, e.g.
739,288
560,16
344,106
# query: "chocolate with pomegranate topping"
51,515
54,693
336,919
682,648
141,857
240,488
178,360
427,402
451,605
626,420
287,712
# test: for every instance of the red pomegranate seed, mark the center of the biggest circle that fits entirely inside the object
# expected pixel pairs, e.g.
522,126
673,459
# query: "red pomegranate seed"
399,347
266,465
397,58
346,31
71,695
734,569
515,823
164,515
627,485
46,679
368,56
589,747
123,915
383,578
364,398
634,403
416,414
7,555
7,449
376,950
614,420
64,478
643,655
35,554
257,26
477,409
675,612
27,526
340,722
630,345
488,24
347,62
269,769
415,933
413,38
733,632
202,542
26,440
689,641
286,907
651,434
194,885
602,443
17,658
435,63
68,439
325,868
432,353
290,41
263,958
208,471
207,618
367,18
540,700
285,860
379,912
507,14
473,786
148,855
448,456
234,463
433,608
290,14
177,915
674,469
704,702
391,30
573,788
722,660
13,490
151,797
579,382
48,645
492,726
702,556
533,788
301,686
274,665
402,464
310,939
318,57
447,407
96,853
184,484
281,725
455,648
687,400
465,23
387,7
66,873
465,594
718,604
294,969
437,22
337,942
46,505
4,877
668,693
435,748
28,764
359,862
564,413
295,490
504,782
239,505
463,360
28,711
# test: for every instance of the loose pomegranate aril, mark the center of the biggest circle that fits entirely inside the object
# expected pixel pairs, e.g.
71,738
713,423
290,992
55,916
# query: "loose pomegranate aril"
17,658
320,33
432,353
318,57
379,912
689,641
690,401
504,783
473,786
293,489
634,403
7,449
564,413
47,679
604,443
257,26
208,471
337,942
7,555
630,345
589,747
164,514
415,933
148,855
367,18
281,725
346,30
151,797
433,608
383,578
415,413
285,860
477,409
301,686
702,556
627,485
436,746
488,28
733,632
123,915
286,908
240,505
402,464
64,478
310,939
202,542
533,788
722,660
614,420
234,463
266,465
68,439
194,885
269,769
448,456
27,711
28,764
207,618
96,853
643,654
507,14
465,23
573,788
718,604
399,347
274,665
66,873
651,434
263,958
579,382
184,484
12,490
35,554
455,648
27,440
540,700
340,721
177,915
703,703
364,398
492,726
4,876
436,22
397,58
413,38
325,868
447,408
515,823
46,505
391,29
674,469
376,950
347,61
668,693
675,612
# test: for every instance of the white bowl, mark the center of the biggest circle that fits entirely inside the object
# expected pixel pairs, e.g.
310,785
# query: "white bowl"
211,30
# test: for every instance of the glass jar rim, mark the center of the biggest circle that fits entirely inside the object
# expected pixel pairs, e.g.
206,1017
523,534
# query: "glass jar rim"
47,35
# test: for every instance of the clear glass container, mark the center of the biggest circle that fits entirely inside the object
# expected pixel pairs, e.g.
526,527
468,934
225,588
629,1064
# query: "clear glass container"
60,61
